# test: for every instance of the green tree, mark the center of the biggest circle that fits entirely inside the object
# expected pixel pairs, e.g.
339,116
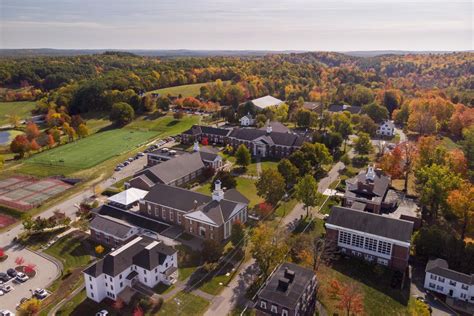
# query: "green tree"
122,113
303,118
242,156
468,147
363,145
361,96
342,125
271,186
434,183
148,103
237,235
211,250
306,191
375,111
227,179
268,247
392,99
367,125
288,171
163,103
316,155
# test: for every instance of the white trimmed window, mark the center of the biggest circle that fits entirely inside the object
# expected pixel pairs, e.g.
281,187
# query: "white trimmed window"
274,309
370,244
358,241
263,304
344,238
433,277
385,248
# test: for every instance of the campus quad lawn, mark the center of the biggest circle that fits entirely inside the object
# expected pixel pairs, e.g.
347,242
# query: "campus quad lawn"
188,90
92,150
252,168
20,108
189,305
373,283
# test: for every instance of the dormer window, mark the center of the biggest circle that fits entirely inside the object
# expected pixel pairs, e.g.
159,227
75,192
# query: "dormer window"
263,304
274,308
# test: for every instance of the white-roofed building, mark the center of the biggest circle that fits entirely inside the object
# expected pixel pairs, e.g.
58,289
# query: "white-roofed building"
266,101
127,199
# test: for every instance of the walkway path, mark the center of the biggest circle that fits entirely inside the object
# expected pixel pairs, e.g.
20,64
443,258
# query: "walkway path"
259,167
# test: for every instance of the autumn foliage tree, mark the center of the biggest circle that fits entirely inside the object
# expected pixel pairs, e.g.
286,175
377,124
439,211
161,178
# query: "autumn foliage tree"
20,145
348,297
264,209
391,162
138,311
32,131
118,304
30,268
461,203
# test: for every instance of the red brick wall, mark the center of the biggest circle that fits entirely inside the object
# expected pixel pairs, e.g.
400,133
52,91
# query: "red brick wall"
400,257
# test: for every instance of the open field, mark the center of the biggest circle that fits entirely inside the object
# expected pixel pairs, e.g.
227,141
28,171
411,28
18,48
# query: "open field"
20,108
165,125
71,250
188,90
90,151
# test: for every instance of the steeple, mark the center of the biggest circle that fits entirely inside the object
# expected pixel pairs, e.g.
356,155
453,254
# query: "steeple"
218,193
269,127
370,175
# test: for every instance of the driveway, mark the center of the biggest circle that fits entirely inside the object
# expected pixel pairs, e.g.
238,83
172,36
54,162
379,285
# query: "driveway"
46,272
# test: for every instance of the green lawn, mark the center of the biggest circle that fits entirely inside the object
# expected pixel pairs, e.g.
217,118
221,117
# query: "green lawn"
247,188
252,168
69,307
20,108
286,207
71,251
244,185
189,304
373,283
92,150
184,273
165,125
188,90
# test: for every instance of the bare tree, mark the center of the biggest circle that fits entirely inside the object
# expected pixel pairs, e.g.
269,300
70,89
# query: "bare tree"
324,251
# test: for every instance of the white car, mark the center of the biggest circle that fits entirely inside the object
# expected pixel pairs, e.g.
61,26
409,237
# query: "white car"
6,312
21,277
40,293
6,288
1,293
102,313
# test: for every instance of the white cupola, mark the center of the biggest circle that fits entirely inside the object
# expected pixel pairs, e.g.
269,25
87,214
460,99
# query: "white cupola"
196,146
370,175
218,193
269,127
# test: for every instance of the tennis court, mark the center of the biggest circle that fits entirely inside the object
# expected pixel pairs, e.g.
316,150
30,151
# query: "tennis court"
23,193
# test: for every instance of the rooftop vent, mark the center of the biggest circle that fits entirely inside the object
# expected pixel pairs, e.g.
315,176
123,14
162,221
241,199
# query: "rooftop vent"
289,274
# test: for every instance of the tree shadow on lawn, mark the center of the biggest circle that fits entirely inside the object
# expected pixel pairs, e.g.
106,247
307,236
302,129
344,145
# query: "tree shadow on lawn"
374,276
201,276
172,123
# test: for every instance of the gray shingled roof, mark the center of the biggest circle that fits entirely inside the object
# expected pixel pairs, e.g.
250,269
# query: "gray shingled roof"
217,212
374,224
173,169
440,267
199,129
283,139
380,184
289,298
276,127
134,252
110,225
342,108
176,197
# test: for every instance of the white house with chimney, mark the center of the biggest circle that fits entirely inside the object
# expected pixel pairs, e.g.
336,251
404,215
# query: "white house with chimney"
440,279
142,260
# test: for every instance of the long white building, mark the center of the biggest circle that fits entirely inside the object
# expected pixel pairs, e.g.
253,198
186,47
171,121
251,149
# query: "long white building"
143,260
439,278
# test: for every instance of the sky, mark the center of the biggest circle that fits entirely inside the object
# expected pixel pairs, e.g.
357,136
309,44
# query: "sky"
310,25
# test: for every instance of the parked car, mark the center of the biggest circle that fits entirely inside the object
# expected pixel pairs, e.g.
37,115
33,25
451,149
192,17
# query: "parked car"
4,277
140,154
126,163
12,272
130,159
6,288
1,293
118,168
102,313
6,312
21,277
40,293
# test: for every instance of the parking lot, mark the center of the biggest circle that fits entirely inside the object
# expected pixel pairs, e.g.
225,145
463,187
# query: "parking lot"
46,272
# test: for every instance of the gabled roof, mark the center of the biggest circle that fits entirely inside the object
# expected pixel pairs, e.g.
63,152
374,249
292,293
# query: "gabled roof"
128,196
266,101
312,106
282,139
234,195
201,129
276,127
175,197
389,124
378,225
111,226
215,212
360,184
440,267
289,297
142,251
173,169
208,156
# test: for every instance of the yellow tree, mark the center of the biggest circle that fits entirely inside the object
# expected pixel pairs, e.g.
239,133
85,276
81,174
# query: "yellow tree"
460,202
99,249
30,307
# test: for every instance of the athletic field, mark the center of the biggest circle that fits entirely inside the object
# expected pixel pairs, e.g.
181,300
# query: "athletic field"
92,150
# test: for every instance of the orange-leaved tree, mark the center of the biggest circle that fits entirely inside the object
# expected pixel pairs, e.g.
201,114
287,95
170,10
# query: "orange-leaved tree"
348,297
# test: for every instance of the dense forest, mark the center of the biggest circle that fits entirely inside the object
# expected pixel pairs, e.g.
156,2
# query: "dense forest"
428,92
